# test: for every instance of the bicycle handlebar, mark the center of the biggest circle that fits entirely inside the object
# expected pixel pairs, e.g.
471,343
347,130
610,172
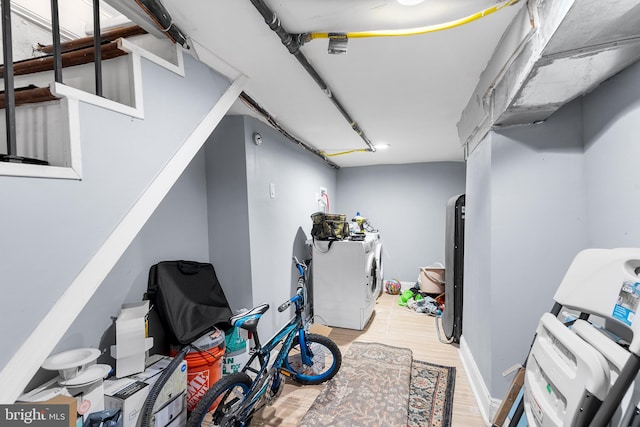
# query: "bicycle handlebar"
301,267
284,306
287,304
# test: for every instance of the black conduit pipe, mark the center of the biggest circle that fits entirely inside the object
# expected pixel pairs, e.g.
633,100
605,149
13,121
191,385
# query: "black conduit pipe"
10,99
55,35
161,16
272,121
292,44
97,46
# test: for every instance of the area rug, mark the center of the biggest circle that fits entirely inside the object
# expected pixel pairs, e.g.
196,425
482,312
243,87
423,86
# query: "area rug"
371,389
431,395
381,385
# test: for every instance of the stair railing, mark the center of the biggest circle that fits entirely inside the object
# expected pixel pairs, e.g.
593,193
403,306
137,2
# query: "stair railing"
8,72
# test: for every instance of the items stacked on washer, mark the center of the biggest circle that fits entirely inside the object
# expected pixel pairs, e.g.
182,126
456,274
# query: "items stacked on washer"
579,376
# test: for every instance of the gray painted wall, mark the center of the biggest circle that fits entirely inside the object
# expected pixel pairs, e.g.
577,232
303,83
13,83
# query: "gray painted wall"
54,227
611,128
280,226
173,232
537,222
259,269
556,188
407,203
476,319
229,211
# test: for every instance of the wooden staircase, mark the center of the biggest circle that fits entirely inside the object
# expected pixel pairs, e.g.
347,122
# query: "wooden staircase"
74,52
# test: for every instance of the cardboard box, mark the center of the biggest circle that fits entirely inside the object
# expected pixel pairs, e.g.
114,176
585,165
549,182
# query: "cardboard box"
171,411
179,421
319,329
175,385
130,393
510,398
68,401
90,398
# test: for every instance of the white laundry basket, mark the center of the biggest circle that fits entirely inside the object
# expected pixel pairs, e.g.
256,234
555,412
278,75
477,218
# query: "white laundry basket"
431,278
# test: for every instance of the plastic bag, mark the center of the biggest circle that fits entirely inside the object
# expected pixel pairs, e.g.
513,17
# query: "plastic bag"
408,295
106,418
236,354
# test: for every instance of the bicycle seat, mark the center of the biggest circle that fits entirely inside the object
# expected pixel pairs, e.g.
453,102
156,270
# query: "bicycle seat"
249,319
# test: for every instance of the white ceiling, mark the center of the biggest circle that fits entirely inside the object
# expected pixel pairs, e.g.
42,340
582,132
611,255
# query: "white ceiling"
406,91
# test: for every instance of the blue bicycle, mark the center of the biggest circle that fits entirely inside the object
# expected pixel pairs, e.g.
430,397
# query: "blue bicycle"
305,357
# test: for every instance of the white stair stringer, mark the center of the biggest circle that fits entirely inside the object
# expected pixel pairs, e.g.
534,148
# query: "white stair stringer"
17,373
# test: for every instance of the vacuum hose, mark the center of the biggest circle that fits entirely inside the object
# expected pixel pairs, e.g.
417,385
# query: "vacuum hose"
147,408
444,341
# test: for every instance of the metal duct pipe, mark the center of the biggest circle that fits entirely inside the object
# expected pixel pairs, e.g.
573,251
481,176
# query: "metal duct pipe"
292,44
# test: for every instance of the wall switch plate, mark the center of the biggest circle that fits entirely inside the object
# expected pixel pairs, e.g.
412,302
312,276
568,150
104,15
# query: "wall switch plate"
272,190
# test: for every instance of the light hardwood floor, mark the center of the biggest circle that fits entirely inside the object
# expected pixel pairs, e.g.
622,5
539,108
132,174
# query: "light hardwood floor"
392,325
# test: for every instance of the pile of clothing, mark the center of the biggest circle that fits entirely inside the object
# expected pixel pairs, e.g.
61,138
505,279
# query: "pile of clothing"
422,302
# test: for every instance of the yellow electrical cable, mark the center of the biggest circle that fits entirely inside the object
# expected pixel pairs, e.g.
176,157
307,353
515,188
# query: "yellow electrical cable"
362,150
420,30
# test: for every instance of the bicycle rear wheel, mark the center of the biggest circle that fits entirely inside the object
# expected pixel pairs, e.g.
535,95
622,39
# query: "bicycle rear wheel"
325,363
219,405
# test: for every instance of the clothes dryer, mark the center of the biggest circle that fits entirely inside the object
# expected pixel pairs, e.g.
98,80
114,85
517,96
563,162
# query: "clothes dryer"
346,281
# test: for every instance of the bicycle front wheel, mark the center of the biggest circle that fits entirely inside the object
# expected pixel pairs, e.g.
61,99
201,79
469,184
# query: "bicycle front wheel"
325,360
219,406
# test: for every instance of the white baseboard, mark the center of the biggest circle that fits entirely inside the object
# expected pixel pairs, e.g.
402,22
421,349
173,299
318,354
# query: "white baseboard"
487,404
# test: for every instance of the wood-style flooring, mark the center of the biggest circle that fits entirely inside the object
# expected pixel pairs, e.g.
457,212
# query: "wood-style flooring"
392,325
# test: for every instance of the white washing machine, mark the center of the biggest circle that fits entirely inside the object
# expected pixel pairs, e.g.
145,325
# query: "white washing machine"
346,281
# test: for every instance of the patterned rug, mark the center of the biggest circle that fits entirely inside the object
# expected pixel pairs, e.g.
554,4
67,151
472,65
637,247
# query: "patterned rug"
431,396
381,385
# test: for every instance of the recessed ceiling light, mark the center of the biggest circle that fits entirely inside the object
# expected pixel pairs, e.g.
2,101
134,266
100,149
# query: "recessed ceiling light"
382,146
409,2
